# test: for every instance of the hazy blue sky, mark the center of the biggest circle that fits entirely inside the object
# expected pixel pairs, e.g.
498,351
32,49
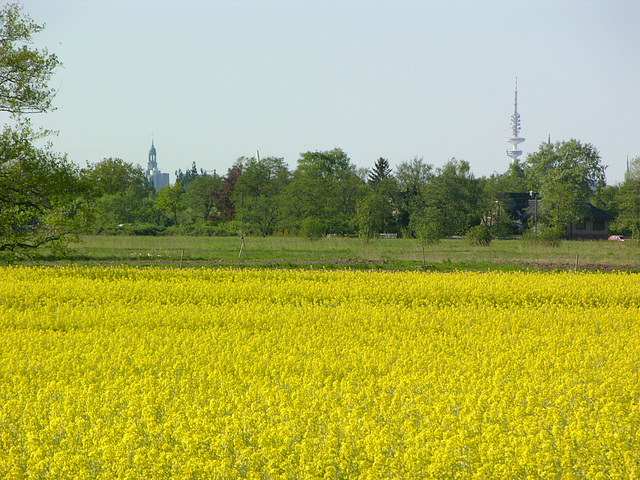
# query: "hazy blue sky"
216,80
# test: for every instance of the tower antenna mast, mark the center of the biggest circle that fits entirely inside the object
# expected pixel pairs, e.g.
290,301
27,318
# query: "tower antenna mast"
514,152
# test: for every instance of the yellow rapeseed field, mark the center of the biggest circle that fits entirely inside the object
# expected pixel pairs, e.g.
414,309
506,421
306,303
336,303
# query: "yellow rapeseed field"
223,374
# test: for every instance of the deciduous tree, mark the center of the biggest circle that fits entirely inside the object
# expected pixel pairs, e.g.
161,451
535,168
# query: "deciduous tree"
169,201
43,199
628,201
42,196
113,175
411,176
450,200
199,196
258,194
566,174
222,195
121,190
325,187
25,72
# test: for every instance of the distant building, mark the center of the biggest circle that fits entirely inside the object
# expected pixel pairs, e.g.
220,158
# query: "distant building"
515,139
525,210
594,225
155,176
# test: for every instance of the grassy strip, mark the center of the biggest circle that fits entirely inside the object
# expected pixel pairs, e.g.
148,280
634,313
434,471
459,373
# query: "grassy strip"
341,253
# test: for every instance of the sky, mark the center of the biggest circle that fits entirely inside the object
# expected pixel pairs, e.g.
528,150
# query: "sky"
211,81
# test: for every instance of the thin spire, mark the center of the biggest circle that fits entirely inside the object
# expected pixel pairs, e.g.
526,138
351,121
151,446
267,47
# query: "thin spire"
515,118
515,138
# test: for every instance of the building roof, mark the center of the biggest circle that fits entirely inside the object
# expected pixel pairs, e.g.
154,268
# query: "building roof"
596,213
519,203
522,205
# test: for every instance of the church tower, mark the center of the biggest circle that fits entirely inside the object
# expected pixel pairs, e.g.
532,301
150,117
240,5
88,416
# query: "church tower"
153,163
155,176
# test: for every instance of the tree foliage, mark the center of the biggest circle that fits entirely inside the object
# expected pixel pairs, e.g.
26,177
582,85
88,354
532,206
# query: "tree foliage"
411,177
223,193
376,209
188,176
629,205
450,199
258,193
324,187
43,198
169,201
121,190
373,214
113,175
633,169
24,72
480,235
566,174
380,171
199,197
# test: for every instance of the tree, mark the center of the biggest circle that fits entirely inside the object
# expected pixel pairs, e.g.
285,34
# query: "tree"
24,72
43,199
629,205
199,196
411,176
222,195
376,207
121,190
329,164
372,211
169,200
608,198
42,195
113,175
450,200
258,193
633,169
628,201
513,180
188,176
566,175
380,171
325,187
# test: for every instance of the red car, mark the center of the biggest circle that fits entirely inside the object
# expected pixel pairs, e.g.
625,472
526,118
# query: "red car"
617,238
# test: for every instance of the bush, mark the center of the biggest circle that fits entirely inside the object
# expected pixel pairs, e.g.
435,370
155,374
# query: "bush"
480,235
311,228
428,233
544,235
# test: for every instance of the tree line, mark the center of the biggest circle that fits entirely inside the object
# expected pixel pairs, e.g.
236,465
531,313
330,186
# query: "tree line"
326,194
45,199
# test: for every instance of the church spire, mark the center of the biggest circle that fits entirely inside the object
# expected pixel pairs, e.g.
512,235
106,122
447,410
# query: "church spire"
152,163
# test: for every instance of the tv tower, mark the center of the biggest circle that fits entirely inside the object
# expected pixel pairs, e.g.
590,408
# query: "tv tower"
514,139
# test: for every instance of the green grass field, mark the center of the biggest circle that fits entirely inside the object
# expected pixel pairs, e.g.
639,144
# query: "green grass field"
388,254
